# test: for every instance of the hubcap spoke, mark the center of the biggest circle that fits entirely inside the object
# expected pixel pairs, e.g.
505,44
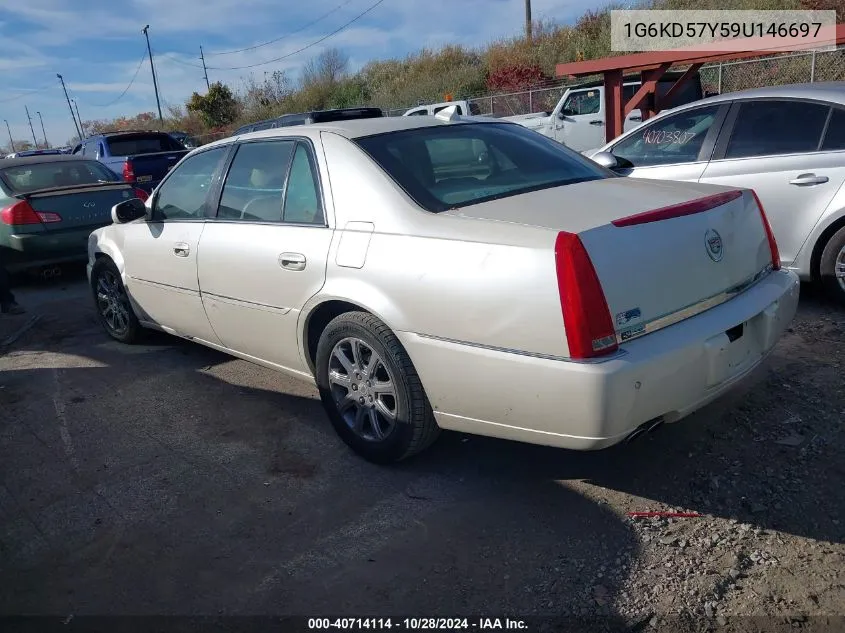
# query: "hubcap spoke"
839,268
385,410
374,424
363,389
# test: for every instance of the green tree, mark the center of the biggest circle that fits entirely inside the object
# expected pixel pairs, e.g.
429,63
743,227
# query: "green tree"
217,108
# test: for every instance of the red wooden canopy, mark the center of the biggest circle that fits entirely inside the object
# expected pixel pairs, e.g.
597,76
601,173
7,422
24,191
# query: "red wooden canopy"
653,65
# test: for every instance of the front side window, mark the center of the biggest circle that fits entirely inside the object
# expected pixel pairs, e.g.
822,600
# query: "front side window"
767,128
458,109
254,187
582,102
447,167
674,139
302,198
422,112
183,195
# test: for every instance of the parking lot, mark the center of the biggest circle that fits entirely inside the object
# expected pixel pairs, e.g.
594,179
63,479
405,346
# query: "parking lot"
171,479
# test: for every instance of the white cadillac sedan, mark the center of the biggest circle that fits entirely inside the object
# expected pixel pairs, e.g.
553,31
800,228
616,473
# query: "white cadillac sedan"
451,273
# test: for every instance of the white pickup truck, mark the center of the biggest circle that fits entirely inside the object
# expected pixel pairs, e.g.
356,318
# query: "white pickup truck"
578,120
464,108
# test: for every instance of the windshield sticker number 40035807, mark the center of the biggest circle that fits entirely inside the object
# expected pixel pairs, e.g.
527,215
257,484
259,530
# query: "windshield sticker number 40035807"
659,137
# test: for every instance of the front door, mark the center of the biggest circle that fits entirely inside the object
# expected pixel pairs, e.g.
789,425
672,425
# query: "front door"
776,148
581,122
673,147
160,256
265,254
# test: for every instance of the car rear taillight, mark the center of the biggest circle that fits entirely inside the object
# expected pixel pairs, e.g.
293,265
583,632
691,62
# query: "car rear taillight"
20,213
773,245
586,317
141,194
128,171
679,210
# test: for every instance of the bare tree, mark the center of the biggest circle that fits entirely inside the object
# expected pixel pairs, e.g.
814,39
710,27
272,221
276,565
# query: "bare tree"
329,67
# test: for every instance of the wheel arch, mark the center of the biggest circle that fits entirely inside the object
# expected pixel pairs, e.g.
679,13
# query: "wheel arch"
821,242
319,314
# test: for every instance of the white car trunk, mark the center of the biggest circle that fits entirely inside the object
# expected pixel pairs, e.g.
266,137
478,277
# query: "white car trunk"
653,271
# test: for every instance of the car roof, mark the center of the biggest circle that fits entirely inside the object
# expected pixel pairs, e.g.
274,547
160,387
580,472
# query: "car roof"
43,158
357,128
833,91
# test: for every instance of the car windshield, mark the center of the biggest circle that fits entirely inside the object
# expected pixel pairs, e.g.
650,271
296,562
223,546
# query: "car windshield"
34,176
130,144
448,167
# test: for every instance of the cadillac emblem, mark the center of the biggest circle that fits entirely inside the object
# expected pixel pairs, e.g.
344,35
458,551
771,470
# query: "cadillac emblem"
713,245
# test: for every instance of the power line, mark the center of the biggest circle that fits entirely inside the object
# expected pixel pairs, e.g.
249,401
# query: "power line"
29,92
286,35
125,90
296,52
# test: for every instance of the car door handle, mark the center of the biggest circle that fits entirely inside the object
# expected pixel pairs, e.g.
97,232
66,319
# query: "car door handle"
292,261
596,122
809,179
181,249
635,118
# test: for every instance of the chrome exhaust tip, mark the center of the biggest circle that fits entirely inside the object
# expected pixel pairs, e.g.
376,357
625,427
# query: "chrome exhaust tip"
647,427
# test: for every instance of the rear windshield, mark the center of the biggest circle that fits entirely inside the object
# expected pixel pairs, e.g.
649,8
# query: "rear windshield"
448,167
26,178
130,144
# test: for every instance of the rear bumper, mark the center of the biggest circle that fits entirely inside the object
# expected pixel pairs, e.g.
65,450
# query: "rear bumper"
38,249
586,406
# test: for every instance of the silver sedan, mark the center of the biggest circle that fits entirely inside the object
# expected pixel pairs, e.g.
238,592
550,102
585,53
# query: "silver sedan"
442,272
787,143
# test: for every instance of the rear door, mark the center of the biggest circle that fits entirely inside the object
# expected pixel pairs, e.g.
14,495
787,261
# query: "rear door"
673,147
160,255
776,147
264,255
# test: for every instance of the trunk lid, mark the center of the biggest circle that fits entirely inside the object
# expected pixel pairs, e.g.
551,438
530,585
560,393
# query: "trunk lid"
78,206
654,271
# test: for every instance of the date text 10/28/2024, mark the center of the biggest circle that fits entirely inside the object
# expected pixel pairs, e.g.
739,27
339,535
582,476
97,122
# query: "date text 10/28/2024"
415,624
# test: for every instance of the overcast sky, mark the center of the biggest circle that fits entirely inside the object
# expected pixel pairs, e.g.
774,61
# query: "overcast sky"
97,45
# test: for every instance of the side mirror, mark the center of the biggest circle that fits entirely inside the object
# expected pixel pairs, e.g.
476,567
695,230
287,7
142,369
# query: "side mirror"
128,211
606,159
563,114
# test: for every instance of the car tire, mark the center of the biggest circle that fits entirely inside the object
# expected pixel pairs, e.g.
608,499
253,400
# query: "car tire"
396,423
114,311
833,255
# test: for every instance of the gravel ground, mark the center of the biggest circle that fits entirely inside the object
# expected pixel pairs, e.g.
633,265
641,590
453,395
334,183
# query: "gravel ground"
173,479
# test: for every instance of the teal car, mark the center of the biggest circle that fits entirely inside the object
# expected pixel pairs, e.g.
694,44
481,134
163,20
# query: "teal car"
49,205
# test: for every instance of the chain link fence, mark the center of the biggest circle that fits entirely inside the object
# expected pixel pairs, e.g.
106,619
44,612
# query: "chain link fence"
716,78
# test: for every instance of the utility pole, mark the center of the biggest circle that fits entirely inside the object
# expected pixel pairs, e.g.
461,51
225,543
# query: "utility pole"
46,142
72,115
81,125
152,68
528,20
11,142
31,129
204,69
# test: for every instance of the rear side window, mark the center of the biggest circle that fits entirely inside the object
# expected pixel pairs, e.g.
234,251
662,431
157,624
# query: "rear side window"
447,167
458,109
26,178
127,145
834,139
674,139
254,186
767,128
302,198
